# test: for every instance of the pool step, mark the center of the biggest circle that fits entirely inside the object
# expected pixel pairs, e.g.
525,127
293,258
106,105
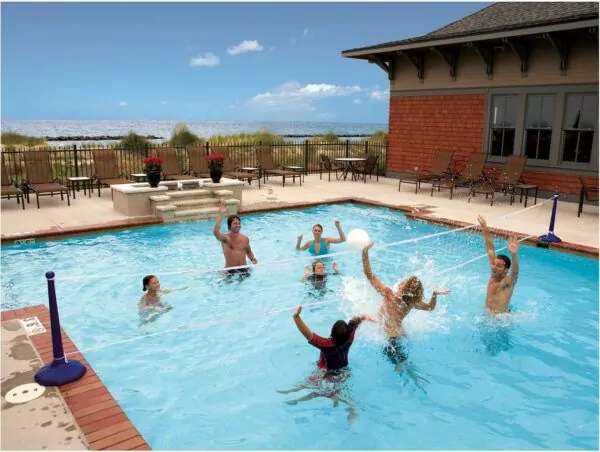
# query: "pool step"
185,207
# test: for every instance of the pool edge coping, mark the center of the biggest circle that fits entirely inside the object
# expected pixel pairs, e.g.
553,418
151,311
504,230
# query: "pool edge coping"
98,415
411,213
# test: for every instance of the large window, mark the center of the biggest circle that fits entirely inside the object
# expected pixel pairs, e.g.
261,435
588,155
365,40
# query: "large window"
538,126
504,120
580,122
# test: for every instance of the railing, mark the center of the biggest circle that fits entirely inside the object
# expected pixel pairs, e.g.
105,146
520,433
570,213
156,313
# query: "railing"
76,162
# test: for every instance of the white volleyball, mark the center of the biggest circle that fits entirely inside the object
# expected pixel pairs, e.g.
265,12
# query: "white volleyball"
358,239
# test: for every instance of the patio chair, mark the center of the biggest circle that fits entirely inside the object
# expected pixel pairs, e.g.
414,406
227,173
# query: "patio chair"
367,167
472,174
588,192
267,165
505,182
329,167
439,169
8,189
106,169
40,178
171,168
230,170
198,162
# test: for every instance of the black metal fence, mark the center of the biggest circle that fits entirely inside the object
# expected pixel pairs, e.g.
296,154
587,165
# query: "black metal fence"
76,161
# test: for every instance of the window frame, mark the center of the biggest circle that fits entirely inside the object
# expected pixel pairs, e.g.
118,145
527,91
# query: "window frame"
563,129
525,128
555,159
492,127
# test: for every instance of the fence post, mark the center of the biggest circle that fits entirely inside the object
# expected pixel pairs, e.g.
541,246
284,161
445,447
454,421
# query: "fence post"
145,149
347,148
306,156
75,160
367,147
206,147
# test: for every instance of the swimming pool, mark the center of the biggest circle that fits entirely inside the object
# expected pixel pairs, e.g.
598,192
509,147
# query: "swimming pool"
213,384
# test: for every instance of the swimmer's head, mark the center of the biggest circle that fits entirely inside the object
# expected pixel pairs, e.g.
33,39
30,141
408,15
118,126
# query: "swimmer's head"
501,265
150,282
317,230
410,290
339,332
234,224
318,268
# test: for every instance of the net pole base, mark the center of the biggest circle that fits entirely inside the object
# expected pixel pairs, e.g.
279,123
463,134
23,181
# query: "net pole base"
60,373
550,238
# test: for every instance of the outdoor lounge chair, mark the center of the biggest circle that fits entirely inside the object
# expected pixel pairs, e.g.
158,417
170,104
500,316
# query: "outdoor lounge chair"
107,171
439,169
198,162
588,192
267,165
8,188
40,178
506,182
328,166
367,167
171,168
472,174
230,170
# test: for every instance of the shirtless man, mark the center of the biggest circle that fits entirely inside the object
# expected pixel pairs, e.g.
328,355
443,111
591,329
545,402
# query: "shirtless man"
396,306
502,284
236,246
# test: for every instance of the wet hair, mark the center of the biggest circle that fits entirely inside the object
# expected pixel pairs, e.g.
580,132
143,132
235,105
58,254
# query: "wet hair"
314,264
339,332
321,227
504,259
412,291
146,281
230,219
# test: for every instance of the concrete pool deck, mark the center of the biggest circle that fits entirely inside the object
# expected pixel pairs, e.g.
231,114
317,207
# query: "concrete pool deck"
86,405
87,215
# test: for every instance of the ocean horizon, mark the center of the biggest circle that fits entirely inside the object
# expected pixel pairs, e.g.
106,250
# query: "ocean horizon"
164,128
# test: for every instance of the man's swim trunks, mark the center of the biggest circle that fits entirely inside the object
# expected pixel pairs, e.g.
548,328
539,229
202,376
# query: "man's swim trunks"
395,350
241,272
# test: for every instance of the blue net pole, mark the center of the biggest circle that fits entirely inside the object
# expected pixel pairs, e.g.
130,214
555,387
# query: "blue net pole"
60,371
550,237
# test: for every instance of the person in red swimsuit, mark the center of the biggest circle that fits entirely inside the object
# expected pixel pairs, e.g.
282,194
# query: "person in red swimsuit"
333,361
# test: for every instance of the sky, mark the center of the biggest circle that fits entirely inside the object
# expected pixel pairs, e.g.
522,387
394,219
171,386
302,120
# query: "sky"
204,61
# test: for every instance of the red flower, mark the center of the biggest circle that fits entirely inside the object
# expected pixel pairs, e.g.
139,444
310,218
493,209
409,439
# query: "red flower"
212,157
153,160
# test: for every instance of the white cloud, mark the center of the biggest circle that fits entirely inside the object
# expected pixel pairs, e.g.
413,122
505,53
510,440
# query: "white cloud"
206,60
245,46
307,34
292,96
357,102
123,104
379,95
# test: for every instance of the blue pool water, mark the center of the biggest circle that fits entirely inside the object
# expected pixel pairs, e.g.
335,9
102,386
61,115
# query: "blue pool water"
206,375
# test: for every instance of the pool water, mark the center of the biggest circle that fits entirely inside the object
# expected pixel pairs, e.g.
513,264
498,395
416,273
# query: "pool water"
206,374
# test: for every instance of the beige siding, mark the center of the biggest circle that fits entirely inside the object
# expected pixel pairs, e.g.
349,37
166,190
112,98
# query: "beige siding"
544,69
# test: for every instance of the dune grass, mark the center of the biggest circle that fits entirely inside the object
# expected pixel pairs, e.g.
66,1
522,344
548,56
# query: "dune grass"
17,139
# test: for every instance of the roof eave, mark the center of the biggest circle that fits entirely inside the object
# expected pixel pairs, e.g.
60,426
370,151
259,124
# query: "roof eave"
364,53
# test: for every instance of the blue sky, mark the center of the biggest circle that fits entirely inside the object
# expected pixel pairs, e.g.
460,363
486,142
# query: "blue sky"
204,61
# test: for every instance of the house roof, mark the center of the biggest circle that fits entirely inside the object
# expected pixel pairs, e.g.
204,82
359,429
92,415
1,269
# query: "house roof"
503,16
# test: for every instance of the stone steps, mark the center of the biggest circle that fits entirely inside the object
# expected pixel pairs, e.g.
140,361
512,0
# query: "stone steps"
191,205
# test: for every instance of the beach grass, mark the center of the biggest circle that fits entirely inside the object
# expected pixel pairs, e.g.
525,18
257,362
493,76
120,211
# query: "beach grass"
11,139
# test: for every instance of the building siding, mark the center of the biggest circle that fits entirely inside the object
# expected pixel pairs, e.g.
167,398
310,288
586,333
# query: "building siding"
471,71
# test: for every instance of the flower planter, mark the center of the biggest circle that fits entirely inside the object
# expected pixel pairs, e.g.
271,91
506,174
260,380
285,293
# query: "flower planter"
153,178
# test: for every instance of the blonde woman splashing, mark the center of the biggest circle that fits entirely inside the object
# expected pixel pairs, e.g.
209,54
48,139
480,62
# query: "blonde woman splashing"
395,307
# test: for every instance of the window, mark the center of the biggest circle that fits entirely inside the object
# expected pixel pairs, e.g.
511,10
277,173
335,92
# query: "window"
504,119
581,117
538,126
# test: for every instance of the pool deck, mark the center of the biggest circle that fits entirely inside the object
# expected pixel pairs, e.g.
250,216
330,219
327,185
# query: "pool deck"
83,415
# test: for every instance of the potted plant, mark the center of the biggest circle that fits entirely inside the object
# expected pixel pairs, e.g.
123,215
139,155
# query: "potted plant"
153,169
215,166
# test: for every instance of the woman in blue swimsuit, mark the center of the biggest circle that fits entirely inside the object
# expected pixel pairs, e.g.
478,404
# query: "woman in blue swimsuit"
319,246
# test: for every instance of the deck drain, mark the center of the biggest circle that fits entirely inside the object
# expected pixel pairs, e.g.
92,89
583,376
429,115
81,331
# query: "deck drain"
24,393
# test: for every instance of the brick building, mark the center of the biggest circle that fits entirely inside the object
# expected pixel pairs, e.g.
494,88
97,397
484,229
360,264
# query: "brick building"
512,78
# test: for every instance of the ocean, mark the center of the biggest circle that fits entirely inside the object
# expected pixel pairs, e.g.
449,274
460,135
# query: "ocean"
164,129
